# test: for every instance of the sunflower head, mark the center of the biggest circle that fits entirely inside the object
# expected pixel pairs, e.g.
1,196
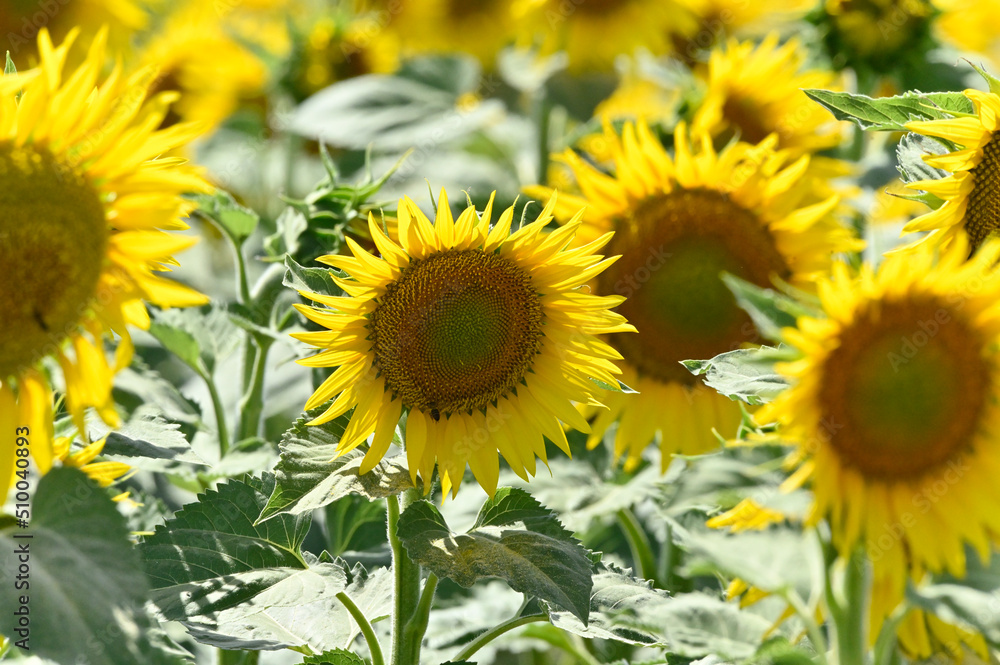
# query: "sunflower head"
971,194
894,408
756,90
479,27
481,336
875,35
88,210
680,221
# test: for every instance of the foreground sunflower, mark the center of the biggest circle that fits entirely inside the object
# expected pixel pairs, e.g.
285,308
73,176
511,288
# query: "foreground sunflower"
753,90
679,222
86,205
481,335
894,409
972,193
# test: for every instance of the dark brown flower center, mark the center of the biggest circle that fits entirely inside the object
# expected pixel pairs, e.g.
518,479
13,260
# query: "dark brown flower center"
457,331
673,249
904,391
982,217
53,240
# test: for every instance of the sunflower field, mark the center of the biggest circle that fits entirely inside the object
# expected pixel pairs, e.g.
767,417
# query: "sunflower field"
500,332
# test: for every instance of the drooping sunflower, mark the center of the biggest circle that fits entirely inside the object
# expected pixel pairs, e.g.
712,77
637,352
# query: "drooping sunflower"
894,411
88,207
679,222
972,193
595,32
482,336
753,90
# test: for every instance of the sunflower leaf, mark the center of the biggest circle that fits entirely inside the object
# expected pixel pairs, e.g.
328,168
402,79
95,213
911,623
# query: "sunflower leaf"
334,657
747,375
84,585
236,221
891,113
910,158
237,585
970,603
769,310
313,280
515,539
9,68
312,474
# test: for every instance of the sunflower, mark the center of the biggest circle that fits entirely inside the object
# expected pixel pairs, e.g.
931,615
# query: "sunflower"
894,410
479,27
21,21
86,204
716,19
755,90
595,32
206,55
679,222
972,193
876,35
970,25
482,336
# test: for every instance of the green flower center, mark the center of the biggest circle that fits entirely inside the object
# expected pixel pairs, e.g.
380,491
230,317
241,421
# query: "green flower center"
982,216
53,240
457,331
673,250
903,392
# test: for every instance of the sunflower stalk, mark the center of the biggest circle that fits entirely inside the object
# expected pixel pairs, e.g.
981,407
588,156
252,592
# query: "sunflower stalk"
496,632
849,614
406,581
638,542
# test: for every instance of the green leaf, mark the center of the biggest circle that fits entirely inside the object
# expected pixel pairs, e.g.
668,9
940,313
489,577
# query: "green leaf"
775,560
236,221
770,311
310,474
334,657
695,625
147,442
970,602
891,113
200,339
911,165
9,68
614,591
313,280
86,588
992,81
180,343
744,374
355,523
514,539
216,537
236,585
395,112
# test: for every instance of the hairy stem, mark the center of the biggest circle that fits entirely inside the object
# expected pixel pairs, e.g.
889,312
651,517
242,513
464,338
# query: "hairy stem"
366,628
493,633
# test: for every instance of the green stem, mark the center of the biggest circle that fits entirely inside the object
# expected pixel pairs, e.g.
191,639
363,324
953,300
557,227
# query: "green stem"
220,414
493,633
417,626
226,657
544,110
252,403
812,628
406,579
638,542
850,621
366,628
